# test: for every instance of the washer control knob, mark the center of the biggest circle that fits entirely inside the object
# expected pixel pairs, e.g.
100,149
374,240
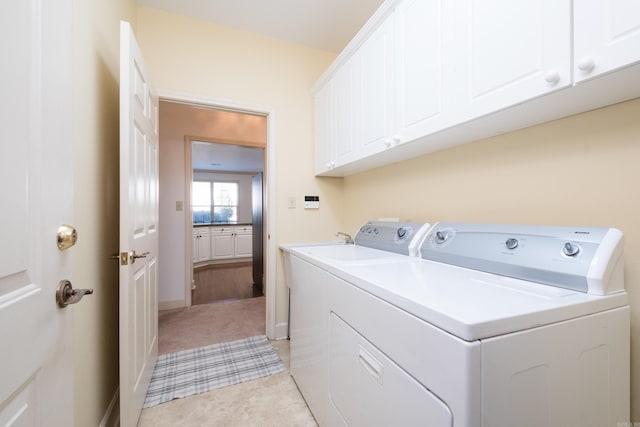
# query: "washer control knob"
442,236
512,243
401,232
570,249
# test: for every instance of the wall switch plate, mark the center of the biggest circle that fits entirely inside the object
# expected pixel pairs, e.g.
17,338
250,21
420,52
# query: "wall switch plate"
311,202
291,202
178,205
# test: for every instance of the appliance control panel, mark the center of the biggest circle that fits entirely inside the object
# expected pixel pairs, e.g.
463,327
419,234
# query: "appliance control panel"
584,259
391,236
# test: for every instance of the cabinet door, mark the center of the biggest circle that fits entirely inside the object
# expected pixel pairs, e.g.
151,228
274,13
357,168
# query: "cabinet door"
606,36
221,242
204,244
424,74
347,107
243,242
377,74
510,52
194,245
323,114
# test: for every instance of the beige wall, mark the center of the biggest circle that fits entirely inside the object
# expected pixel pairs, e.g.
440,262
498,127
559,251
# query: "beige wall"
582,170
192,57
96,137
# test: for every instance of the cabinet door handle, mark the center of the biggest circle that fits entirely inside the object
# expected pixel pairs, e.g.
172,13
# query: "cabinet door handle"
552,77
586,64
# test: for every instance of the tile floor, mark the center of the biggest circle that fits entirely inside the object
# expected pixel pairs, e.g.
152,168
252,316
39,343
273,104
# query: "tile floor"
269,401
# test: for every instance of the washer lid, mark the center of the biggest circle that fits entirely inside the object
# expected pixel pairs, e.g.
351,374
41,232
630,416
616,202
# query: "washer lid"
336,256
473,304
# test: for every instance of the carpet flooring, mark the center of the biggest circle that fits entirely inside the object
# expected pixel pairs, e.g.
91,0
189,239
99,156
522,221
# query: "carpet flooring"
188,372
206,324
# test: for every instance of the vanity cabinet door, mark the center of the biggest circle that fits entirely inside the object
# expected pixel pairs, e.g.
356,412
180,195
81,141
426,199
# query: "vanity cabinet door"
194,245
243,241
201,244
222,242
204,244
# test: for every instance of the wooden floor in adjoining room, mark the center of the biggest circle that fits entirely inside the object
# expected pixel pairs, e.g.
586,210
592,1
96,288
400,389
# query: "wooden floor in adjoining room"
220,282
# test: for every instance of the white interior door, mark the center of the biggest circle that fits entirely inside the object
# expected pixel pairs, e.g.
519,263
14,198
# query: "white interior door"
36,175
138,228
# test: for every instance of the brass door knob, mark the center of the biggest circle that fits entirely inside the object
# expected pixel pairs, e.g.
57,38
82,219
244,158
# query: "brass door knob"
67,236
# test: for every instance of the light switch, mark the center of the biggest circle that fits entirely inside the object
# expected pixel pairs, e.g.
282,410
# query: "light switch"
179,205
291,202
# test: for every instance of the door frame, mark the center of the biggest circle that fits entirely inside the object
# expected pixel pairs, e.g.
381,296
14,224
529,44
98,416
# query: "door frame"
269,195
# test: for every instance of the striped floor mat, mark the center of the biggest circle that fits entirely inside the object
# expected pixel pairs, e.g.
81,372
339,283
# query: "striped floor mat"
194,371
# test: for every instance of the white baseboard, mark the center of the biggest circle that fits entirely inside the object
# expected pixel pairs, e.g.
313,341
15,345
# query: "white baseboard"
112,416
282,331
171,304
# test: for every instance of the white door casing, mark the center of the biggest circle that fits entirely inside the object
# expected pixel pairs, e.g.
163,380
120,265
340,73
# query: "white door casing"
138,228
36,181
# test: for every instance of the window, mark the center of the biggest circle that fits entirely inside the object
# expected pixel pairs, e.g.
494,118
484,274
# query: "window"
225,202
214,202
201,202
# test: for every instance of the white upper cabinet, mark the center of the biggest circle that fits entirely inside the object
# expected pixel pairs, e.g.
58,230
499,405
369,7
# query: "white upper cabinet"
323,120
607,36
510,51
425,77
347,111
377,55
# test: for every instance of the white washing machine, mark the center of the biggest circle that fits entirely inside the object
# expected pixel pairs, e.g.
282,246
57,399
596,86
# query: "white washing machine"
492,326
376,243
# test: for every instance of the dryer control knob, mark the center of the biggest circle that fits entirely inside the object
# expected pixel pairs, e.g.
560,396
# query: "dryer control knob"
511,243
570,249
401,232
441,236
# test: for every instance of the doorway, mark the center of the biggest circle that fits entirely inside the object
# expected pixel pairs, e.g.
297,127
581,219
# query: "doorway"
227,215
176,206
